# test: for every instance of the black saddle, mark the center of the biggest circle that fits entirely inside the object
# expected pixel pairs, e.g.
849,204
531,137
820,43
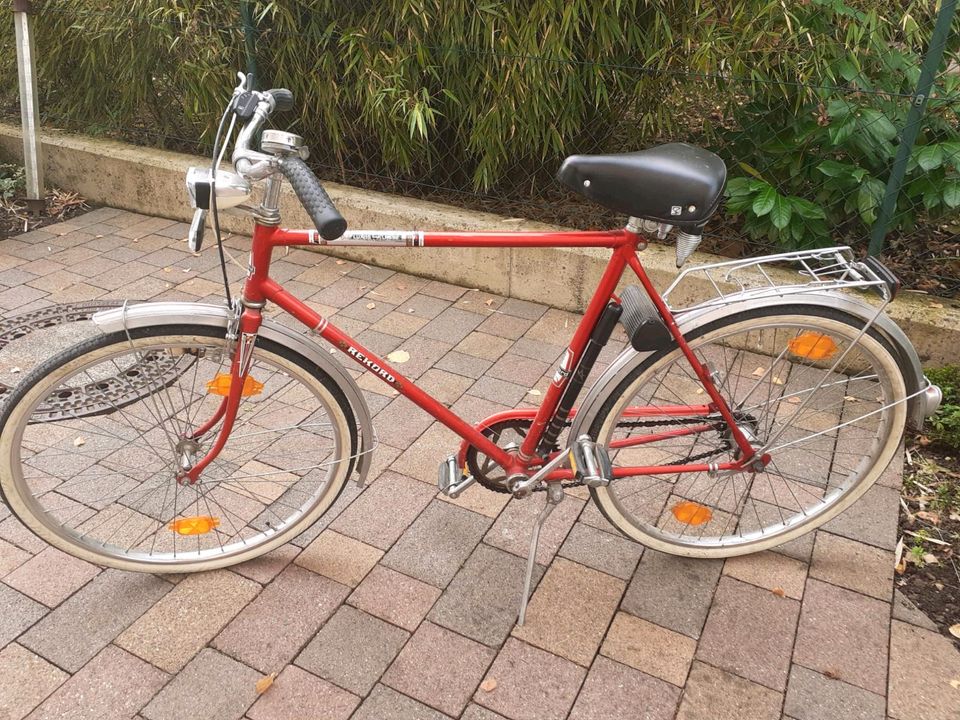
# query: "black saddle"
676,183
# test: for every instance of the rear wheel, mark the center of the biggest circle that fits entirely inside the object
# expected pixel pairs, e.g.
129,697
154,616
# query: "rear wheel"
831,431
98,477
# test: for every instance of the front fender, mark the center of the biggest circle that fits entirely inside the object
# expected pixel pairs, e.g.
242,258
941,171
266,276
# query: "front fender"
919,406
180,313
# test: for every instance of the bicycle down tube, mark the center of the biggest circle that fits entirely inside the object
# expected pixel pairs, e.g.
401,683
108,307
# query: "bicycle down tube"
259,288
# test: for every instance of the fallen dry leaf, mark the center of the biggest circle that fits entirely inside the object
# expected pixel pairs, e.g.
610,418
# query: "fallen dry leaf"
341,262
931,517
14,370
398,357
779,592
166,269
489,685
488,302
793,399
832,673
401,287
759,372
939,586
931,559
777,381
936,305
955,630
955,683
265,683
371,306
533,391
79,442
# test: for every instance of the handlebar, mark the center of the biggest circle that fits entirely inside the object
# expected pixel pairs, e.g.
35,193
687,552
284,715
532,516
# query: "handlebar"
255,165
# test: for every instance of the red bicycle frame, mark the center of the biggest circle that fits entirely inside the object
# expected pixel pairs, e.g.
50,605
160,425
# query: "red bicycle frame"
259,288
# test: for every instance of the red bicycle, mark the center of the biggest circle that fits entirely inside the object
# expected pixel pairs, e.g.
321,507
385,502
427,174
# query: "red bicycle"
212,434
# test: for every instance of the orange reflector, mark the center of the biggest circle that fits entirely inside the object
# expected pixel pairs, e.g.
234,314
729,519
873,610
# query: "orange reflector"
199,525
691,513
813,346
220,385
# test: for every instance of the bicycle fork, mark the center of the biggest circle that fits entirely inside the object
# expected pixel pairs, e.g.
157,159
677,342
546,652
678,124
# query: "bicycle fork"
242,336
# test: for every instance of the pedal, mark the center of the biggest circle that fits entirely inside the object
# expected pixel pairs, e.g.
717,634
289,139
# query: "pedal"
643,323
590,462
451,481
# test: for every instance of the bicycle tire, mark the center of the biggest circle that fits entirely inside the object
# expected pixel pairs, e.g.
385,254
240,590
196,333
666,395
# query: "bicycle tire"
293,386
658,529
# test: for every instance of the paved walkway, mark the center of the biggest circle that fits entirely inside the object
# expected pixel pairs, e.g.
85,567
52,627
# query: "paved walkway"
401,603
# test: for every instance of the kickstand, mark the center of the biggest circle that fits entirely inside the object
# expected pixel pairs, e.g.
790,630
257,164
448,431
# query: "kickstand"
554,496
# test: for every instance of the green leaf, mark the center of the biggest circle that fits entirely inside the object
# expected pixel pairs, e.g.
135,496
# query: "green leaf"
930,157
868,199
842,131
750,170
832,168
764,201
951,193
808,210
738,186
877,124
781,212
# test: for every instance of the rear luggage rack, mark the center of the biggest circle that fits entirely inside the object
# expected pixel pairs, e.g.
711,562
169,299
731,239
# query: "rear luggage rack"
793,273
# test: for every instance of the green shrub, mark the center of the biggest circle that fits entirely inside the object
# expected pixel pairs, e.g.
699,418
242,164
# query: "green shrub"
12,181
945,425
820,160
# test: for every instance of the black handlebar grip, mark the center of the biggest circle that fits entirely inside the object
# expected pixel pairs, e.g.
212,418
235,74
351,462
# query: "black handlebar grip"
330,223
282,98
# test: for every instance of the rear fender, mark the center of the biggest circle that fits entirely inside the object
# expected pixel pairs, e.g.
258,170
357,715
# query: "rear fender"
919,406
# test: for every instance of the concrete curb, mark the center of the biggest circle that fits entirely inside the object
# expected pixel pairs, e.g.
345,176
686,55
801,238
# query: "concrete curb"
150,181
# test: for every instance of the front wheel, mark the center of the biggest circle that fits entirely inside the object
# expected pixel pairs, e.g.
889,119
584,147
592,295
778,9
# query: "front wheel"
94,439
831,431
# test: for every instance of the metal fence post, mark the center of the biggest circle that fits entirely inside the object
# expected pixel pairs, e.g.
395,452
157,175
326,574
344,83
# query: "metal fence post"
911,127
249,38
29,109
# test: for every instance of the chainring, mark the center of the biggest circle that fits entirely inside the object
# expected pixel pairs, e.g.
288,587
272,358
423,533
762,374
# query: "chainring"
487,472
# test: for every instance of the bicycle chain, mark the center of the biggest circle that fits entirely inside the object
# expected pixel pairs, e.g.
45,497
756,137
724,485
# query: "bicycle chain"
643,423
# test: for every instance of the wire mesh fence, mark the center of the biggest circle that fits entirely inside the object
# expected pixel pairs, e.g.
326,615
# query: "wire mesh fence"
477,105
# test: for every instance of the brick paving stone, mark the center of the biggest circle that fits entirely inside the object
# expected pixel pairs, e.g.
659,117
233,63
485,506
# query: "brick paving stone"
476,712
769,570
505,326
482,345
483,599
423,352
518,369
385,509
613,690
437,543
872,519
394,597
19,613
339,558
114,684
353,649
750,632
386,704
347,496
297,695
444,386
531,684
51,576
812,696
537,350
342,292
713,694
423,306
27,680
555,326
212,685
673,592
266,567
498,391
853,565
442,290
11,557
556,620
479,499
905,610
171,632
439,668
401,422
523,308
466,365
654,650
601,551
452,325
399,324
16,533
273,628
844,634
361,310
512,530
399,288
421,459
922,666
84,623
